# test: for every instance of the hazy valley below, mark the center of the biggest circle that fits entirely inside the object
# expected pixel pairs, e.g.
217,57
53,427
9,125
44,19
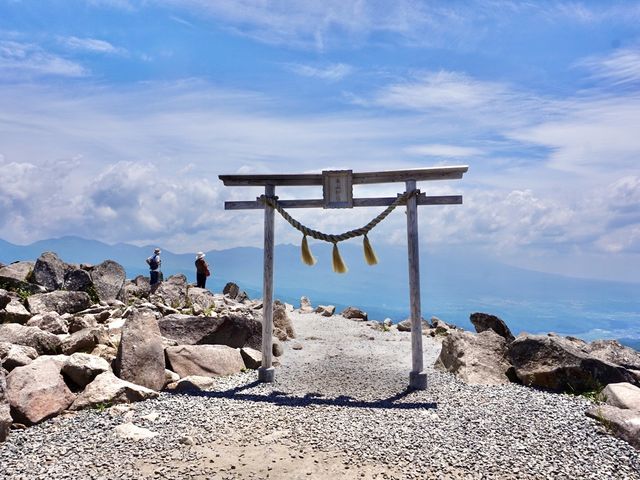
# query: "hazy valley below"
454,285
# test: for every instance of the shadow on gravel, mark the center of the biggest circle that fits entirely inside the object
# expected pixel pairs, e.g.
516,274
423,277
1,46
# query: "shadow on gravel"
282,398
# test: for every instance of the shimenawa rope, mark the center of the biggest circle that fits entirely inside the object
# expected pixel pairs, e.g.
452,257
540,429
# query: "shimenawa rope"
338,264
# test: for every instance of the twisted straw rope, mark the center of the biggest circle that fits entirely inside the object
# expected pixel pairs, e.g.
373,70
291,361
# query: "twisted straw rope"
273,202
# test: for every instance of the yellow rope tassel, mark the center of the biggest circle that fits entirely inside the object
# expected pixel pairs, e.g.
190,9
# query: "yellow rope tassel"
369,254
307,257
338,264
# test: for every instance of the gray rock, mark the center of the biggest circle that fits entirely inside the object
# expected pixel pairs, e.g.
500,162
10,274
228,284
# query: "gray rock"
475,359
59,301
77,280
325,310
105,351
108,280
485,321
231,290
200,298
44,343
140,358
85,340
83,368
405,325
37,391
12,356
50,322
305,305
252,358
281,320
355,314
622,395
81,322
107,389
49,271
14,312
613,352
204,360
232,330
559,364
20,272
192,383
172,292
623,423
5,410
129,431
5,298
276,349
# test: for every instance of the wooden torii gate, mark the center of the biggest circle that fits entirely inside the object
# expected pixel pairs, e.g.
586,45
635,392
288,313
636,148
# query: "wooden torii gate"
338,193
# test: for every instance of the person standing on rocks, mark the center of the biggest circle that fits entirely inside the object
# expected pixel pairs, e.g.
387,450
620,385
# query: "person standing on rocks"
202,270
154,263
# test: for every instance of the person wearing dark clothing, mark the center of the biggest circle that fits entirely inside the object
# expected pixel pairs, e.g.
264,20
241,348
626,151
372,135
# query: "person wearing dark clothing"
202,270
154,263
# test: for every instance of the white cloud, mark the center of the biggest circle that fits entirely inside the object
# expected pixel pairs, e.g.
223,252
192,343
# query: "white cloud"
619,68
19,60
333,72
440,150
91,45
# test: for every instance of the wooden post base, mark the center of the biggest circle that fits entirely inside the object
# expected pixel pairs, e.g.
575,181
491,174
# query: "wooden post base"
417,380
266,375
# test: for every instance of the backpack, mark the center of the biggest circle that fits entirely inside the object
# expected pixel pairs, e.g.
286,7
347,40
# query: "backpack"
153,262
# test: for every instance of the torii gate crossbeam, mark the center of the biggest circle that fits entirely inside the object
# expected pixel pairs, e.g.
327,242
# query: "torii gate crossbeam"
337,190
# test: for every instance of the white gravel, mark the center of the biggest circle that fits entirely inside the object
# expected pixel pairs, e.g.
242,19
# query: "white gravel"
338,409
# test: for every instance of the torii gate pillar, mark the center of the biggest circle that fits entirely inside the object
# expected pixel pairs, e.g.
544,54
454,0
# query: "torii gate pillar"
266,373
417,378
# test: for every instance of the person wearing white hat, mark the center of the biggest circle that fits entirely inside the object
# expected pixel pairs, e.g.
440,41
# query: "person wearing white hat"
202,270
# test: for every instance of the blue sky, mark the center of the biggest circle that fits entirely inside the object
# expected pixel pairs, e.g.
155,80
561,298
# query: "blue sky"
117,116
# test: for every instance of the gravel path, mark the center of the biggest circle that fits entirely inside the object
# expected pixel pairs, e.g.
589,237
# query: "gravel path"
338,409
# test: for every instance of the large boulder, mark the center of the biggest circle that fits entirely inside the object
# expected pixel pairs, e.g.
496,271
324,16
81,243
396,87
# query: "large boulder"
5,410
478,359
16,273
231,290
622,395
137,288
252,357
140,358
83,368
623,423
77,280
59,301
204,360
232,330
613,352
485,321
107,389
172,292
50,322
14,312
12,356
44,343
49,271
354,314
559,364
85,340
201,297
38,391
108,280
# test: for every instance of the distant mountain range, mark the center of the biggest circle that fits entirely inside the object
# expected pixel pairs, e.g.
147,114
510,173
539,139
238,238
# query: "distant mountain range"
454,284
